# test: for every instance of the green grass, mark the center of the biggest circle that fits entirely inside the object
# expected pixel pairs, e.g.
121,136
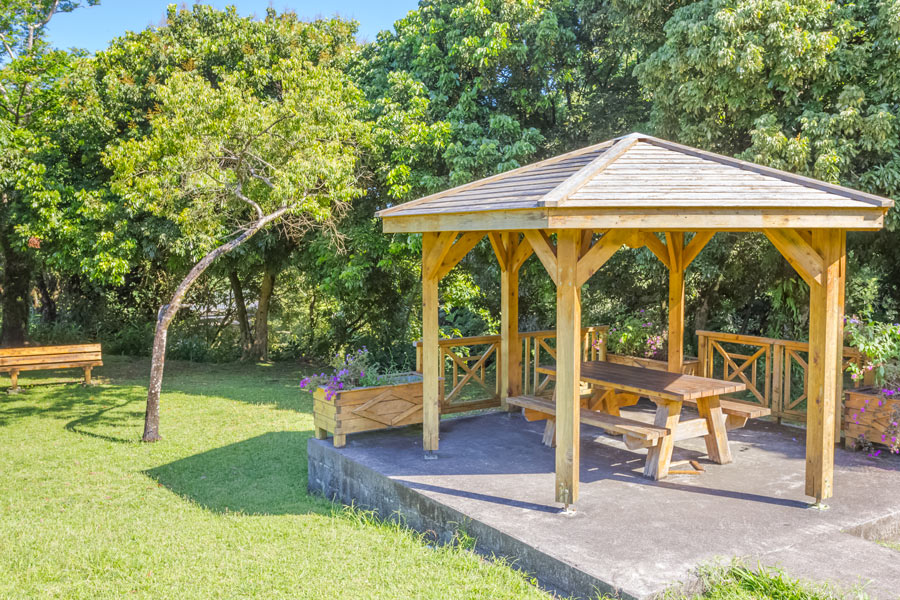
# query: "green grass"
218,509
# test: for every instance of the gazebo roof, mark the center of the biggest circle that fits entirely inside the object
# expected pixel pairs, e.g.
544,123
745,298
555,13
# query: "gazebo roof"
639,181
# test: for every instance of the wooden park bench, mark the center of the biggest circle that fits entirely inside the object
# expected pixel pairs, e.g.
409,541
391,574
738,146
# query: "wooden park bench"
45,358
636,433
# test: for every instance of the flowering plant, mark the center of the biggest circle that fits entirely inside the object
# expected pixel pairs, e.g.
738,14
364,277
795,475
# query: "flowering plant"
351,370
637,335
879,344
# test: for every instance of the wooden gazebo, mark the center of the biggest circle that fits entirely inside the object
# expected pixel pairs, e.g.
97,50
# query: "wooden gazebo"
574,211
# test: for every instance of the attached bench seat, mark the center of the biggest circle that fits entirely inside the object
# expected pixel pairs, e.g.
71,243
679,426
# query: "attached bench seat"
647,433
737,412
45,358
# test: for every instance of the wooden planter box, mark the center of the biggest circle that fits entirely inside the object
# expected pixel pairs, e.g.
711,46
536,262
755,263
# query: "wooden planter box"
867,414
690,367
367,409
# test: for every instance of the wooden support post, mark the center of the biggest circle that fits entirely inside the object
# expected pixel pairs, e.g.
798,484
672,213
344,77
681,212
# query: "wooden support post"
568,366
321,433
825,355
431,410
675,243
87,376
14,379
509,367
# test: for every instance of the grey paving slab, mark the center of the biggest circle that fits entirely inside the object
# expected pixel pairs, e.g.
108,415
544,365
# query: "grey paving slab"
629,535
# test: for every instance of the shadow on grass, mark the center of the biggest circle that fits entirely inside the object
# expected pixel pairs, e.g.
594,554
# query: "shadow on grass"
106,417
263,475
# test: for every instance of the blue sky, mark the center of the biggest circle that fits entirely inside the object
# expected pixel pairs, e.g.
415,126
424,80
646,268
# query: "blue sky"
92,27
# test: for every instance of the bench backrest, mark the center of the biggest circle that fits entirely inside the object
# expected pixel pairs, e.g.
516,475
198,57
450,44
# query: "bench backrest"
50,357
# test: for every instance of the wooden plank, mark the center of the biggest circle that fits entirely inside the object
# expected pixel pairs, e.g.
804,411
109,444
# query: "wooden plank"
655,245
431,369
675,246
719,217
458,251
53,366
49,360
651,382
615,424
49,350
500,250
659,456
806,261
825,339
523,251
510,364
599,253
697,243
545,251
568,360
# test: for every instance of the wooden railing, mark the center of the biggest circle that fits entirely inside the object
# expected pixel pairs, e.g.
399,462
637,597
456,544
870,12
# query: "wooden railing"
773,370
469,365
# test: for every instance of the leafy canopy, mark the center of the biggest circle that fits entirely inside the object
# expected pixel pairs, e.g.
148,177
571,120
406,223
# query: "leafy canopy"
221,155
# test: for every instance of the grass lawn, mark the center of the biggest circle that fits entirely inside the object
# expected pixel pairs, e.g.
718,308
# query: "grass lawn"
218,509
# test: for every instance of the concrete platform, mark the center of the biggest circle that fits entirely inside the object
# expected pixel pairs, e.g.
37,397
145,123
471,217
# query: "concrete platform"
629,536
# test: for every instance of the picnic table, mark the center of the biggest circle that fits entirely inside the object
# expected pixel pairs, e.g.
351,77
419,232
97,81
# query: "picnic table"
614,386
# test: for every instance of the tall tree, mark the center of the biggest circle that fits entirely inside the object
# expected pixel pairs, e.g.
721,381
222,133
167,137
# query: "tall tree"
29,107
224,162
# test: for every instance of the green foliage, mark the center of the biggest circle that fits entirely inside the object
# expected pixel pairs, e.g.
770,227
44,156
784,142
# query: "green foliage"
216,154
879,343
638,335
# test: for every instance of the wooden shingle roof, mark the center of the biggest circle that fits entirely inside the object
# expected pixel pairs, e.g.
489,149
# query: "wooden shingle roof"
639,181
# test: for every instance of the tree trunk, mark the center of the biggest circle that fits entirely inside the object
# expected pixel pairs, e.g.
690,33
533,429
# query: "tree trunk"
48,302
241,307
16,285
168,312
260,349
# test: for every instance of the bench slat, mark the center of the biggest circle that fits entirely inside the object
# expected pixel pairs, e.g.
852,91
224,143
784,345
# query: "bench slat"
739,408
47,350
619,425
34,360
53,366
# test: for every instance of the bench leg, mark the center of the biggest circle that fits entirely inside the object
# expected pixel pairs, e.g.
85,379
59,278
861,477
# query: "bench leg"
87,376
14,377
717,439
660,456
340,440
549,438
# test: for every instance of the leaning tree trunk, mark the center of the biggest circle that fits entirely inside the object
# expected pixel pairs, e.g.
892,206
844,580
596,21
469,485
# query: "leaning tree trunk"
16,286
260,348
168,312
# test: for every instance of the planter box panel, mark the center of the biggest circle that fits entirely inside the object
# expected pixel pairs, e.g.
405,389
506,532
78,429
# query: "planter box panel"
871,423
366,409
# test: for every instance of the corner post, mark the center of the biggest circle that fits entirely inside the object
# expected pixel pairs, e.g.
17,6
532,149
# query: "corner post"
568,366
431,409
510,364
675,243
826,328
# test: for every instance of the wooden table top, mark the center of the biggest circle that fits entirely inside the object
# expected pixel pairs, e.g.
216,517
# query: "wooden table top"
653,383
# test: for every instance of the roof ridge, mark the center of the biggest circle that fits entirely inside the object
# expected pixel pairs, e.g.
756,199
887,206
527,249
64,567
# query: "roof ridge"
558,195
492,178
